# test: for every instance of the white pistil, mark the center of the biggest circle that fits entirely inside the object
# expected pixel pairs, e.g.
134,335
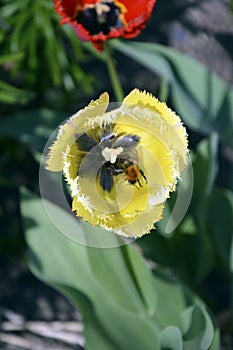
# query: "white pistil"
110,154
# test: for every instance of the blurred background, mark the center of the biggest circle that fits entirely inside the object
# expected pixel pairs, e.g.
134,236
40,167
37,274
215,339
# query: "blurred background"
46,74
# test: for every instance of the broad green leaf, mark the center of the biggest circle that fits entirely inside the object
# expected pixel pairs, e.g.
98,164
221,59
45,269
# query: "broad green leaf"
198,329
215,345
95,335
171,339
196,333
169,309
50,253
130,268
203,99
123,305
145,285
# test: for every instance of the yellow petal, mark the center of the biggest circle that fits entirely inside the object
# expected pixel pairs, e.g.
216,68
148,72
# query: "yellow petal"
142,224
172,130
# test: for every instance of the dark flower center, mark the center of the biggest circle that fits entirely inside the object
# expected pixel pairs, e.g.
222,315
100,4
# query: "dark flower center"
100,18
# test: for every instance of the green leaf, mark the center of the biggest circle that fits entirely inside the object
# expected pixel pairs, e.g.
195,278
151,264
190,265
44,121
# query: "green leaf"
215,345
11,58
50,253
220,224
205,169
191,256
168,310
205,166
197,328
130,268
203,99
124,306
95,335
10,94
204,237
171,339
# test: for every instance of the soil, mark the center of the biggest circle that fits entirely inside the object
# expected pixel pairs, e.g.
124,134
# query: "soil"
202,29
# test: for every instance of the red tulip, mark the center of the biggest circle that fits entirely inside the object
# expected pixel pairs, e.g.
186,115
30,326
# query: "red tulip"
98,21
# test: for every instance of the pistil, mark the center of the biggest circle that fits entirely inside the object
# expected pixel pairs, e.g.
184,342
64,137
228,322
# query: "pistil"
110,154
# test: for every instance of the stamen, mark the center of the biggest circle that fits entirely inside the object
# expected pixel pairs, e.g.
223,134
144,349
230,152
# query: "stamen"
110,154
101,8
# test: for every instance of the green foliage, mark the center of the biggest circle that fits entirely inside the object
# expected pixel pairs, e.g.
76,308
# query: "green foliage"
114,284
196,247
37,52
205,166
204,101
8,93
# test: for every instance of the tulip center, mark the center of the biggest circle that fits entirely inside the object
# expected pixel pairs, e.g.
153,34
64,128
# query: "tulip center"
101,17
110,156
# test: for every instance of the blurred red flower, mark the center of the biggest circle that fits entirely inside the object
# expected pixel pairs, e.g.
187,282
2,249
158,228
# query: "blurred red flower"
98,21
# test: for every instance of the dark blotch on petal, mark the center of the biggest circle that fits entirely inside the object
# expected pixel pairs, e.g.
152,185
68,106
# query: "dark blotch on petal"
106,178
85,142
103,22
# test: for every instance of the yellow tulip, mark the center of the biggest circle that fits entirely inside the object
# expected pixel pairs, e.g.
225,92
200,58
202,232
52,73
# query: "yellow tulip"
121,165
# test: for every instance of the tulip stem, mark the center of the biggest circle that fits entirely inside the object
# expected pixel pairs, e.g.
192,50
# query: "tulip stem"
114,77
